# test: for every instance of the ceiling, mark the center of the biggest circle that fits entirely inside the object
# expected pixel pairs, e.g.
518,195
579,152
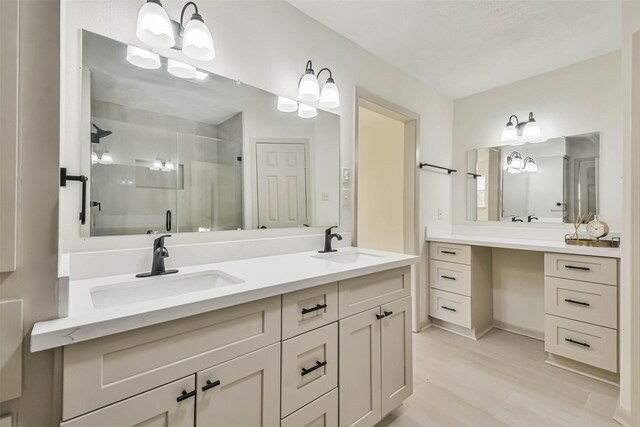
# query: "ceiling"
465,47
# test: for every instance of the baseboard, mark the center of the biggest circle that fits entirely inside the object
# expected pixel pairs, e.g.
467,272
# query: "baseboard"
517,330
582,369
622,416
455,329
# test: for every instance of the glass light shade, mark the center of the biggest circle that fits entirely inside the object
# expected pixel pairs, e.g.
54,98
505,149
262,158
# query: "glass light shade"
287,105
330,97
201,75
308,89
197,42
157,165
154,26
307,111
106,158
169,166
509,133
514,170
516,162
180,69
531,166
94,158
143,58
531,130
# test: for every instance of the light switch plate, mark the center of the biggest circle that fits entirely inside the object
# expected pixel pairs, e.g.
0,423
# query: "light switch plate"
346,197
346,175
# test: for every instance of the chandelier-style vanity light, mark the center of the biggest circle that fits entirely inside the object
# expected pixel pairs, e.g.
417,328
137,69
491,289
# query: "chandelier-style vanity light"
529,130
155,28
309,88
515,163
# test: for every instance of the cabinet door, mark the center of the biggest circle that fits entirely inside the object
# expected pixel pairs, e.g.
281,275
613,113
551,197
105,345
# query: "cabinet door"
396,352
243,392
360,399
155,408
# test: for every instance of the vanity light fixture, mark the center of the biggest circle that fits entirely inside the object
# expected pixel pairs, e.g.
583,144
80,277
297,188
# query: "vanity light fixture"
155,28
143,58
181,70
287,105
106,158
309,88
307,111
156,165
168,166
530,165
527,130
514,161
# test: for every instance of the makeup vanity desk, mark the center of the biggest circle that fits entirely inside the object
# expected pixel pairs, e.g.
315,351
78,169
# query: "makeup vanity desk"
580,297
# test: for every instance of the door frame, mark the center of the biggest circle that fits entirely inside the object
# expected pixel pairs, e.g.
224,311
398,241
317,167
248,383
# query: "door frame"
412,155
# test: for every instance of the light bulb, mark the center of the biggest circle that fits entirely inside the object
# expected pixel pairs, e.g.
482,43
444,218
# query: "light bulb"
94,158
287,105
154,26
180,69
308,89
106,158
509,133
307,111
143,58
330,97
197,42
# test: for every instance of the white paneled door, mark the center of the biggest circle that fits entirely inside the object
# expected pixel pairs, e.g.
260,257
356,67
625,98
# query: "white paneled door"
282,195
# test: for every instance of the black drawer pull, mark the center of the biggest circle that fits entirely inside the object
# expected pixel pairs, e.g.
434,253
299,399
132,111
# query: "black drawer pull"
584,344
448,308
185,395
379,316
586,304
576,267
318,365
210,384
387,313
316,308
449,252
449,277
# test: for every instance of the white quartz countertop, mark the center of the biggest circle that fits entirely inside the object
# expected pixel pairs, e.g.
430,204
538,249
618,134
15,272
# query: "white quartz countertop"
524,244
261,278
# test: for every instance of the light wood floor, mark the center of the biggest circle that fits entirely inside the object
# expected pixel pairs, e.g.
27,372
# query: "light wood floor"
500,380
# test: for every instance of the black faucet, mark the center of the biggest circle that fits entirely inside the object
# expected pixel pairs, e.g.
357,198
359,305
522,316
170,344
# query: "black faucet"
159,254
514,218
327,239
531,218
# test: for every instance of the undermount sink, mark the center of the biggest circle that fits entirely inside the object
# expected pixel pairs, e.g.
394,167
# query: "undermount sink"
350,257
157,287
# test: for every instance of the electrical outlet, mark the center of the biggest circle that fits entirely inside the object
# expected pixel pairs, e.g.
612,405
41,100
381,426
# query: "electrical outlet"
346,197
346,175
439,214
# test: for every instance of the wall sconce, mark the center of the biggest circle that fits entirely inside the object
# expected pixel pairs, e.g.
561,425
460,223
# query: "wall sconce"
527,130
515,164
530,165
307,111
155,28
309,88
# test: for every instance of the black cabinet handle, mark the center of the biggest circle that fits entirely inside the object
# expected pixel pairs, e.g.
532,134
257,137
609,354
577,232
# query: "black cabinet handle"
185,395
575,267
448,308
449,277
379,316
387,313
312,309
318,365
586,304
210,384
449,252
584,344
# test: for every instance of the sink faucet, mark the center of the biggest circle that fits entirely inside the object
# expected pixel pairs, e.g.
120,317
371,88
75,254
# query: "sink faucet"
514,218
159,254
531,218
327,239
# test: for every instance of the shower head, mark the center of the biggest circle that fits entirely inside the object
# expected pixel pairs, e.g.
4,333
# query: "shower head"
99,134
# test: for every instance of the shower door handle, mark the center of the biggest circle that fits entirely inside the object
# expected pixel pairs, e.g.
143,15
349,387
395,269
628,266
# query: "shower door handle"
168,220
82,179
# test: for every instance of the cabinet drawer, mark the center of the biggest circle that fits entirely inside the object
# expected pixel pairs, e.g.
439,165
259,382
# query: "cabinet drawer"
450,277
159,405
586,343
450,252
451,308
579,267
366,292
105,370
309,367
322,412
309,309
587,302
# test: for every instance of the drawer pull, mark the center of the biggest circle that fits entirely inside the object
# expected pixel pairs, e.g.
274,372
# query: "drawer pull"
185,395
449,252
449,277
387,313
316,308
586,304
379,316
584,344
210,384
448,308
576,267
318,365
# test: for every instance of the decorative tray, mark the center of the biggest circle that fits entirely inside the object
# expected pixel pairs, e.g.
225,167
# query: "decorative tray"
596,243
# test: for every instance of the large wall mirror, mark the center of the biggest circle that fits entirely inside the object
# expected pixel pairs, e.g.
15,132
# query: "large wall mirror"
549,181
175,152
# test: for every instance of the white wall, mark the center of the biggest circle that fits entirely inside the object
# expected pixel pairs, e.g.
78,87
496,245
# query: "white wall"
578,99
264,44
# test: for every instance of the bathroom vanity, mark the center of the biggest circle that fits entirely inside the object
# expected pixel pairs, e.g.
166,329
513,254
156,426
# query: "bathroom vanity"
283,340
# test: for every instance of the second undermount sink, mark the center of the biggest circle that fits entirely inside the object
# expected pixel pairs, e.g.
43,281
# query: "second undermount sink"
157,287
348,257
